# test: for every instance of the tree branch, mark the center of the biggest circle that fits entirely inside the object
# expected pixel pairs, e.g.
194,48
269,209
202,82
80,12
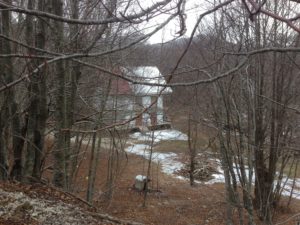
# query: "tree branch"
127,18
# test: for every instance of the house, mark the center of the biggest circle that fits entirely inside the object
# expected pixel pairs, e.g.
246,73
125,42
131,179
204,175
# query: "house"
127,100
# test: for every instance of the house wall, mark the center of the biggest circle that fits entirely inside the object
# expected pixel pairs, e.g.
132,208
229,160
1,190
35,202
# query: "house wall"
138,106
155,115
160,110
120,109
146,101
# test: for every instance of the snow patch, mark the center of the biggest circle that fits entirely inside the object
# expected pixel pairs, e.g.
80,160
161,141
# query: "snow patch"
44,211
286,190
160,135
171,165
167,161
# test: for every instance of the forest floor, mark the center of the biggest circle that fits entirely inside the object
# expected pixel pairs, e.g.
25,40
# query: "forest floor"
171,201
39,204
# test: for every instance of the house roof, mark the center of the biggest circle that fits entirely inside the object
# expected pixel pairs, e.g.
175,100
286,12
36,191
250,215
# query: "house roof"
149,74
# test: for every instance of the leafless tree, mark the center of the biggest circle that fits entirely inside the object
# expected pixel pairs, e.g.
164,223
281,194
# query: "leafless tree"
252,64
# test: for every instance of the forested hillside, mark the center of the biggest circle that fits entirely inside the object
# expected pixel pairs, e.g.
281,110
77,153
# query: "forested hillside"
199,127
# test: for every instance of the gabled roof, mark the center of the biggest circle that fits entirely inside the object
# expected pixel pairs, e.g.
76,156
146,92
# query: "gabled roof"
149,74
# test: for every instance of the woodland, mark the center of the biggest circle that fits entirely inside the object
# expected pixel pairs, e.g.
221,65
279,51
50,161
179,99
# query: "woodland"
234,74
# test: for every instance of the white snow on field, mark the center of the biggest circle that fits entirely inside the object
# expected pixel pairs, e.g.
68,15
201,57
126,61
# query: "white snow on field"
170,164
287,192
42,210
219,178
160,135
167,161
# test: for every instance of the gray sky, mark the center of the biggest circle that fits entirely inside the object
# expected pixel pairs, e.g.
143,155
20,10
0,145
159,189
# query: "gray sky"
193,9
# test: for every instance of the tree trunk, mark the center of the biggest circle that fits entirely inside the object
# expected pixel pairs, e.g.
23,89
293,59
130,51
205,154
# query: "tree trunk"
33,101
59,177
71,91
9,109
37,91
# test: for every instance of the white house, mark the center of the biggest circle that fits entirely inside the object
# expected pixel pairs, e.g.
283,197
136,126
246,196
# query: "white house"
129,100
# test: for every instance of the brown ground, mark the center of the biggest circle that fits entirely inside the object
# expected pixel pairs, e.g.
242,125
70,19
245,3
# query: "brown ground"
171,201
38,204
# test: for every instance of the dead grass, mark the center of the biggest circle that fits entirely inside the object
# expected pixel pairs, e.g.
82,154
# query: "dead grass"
172,146
174,202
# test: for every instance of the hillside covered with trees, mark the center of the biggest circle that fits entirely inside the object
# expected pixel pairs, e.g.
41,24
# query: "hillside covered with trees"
210,137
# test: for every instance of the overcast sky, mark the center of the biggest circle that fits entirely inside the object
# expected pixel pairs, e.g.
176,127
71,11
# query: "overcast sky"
193,10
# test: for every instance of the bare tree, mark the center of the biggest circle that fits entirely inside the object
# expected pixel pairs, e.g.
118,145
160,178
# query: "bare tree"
252,64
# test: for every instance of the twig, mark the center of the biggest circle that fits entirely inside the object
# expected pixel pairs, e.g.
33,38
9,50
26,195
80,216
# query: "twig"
288,219
113,219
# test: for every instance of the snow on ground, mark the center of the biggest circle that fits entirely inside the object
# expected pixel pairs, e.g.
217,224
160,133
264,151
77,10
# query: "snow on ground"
286,191
170,164
160,135
46,212
167,161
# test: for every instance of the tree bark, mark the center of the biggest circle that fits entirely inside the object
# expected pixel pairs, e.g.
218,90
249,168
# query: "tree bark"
71,91
37,91
9,108
59,177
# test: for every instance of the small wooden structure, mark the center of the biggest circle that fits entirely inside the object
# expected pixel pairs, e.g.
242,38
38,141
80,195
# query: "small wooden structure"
297,220
140,183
